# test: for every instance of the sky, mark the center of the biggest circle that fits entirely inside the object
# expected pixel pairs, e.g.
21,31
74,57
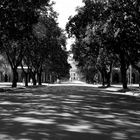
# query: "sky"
65,8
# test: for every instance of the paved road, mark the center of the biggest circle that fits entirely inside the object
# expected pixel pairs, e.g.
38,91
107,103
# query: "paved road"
68,112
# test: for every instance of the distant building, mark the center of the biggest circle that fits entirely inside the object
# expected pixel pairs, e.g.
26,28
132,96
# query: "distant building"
74,72
132,76
5,70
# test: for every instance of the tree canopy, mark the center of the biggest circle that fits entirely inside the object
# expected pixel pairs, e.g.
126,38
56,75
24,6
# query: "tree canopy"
28,33
112,26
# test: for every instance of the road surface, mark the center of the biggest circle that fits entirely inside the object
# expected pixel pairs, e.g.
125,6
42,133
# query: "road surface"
70,112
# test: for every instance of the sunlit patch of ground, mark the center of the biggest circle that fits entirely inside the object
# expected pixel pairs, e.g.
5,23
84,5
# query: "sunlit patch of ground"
68,112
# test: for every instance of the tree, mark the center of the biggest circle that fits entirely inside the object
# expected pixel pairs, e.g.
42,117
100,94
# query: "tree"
17,20
60,66
134,53
85,26
123,33
112,25
86,60
47,47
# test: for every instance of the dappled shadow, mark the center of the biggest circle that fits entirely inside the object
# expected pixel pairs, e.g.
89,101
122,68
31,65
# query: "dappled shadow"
68,113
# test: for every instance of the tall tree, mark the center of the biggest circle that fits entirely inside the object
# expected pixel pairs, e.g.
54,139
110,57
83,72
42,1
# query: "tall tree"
113,25
47,47
17,19
123,33
85,27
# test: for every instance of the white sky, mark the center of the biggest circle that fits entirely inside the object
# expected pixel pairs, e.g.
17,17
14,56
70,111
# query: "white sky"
65,8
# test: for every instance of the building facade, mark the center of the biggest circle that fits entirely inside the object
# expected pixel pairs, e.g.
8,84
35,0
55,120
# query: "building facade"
74,72
132,76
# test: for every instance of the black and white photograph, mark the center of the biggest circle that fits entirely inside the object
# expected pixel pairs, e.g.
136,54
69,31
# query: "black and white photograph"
69,69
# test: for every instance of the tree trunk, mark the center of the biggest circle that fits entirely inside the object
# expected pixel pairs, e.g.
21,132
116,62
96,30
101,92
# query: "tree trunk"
103,78
123,71
139,78
26,79
124,77
39,78
34,78
108,79
15,77
109,76
45,77
50,78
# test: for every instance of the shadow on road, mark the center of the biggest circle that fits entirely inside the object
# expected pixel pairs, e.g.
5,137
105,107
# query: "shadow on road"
68,113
